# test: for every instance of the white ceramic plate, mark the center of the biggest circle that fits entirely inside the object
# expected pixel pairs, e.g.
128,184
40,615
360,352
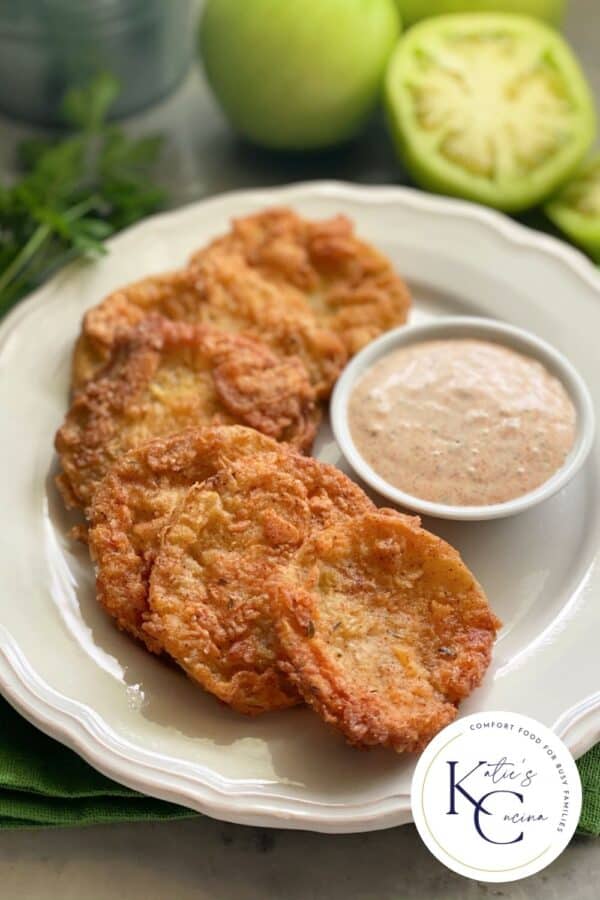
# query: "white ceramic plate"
65,667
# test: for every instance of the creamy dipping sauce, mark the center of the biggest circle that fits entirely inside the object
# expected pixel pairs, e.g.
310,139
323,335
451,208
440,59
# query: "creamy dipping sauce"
461,422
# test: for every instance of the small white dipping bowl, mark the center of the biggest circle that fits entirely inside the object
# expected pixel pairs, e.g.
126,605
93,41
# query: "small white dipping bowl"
458,327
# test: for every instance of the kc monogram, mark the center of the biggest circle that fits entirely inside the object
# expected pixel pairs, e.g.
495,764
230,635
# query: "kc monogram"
478,807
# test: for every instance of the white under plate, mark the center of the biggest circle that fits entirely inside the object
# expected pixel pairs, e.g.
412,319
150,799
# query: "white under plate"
68,670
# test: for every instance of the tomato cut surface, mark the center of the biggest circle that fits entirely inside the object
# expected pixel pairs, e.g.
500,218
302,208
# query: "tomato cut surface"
490,107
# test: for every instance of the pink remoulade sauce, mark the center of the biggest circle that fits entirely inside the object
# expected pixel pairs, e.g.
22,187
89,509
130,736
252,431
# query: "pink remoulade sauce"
461,422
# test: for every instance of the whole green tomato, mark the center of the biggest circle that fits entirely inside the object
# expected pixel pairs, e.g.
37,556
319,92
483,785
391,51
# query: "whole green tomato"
297,74
549,10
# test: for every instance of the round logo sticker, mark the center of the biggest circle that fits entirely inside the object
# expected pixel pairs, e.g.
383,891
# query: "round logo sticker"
496,796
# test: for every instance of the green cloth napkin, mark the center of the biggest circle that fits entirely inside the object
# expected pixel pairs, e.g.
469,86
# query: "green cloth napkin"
43,783
589,769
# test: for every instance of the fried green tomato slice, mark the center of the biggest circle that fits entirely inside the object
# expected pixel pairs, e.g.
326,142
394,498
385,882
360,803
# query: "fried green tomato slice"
575,209
221,291
491,107
210,609
165,376
348,285
134,503
384,629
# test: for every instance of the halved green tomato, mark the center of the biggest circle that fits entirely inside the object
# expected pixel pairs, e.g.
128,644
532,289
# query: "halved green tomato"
576,208
413,10
492,107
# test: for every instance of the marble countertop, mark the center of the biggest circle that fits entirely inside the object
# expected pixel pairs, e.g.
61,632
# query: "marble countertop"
209,860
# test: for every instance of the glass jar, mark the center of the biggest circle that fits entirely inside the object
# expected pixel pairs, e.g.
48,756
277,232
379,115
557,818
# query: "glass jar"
48,46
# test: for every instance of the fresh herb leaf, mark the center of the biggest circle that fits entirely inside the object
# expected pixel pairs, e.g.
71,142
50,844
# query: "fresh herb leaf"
74,192
87,107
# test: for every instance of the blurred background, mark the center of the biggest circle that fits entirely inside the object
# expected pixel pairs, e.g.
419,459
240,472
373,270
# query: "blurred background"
212,95
48,46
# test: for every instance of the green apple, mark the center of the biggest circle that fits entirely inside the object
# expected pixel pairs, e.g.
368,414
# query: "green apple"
549,10
297,74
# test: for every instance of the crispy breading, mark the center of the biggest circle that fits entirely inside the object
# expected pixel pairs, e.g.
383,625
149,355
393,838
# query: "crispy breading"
165,376
207,589
170,294
384,629
134,503
222,291
351,287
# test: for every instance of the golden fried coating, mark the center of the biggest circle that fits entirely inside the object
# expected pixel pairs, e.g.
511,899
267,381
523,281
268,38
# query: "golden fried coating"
350,286
165,376
209,607
171,295
134,503
384,628
222,291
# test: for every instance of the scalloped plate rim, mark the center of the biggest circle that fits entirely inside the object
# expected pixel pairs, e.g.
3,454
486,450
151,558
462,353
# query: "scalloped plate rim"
76,725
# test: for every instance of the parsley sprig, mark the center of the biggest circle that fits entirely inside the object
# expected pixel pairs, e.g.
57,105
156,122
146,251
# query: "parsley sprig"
74,192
